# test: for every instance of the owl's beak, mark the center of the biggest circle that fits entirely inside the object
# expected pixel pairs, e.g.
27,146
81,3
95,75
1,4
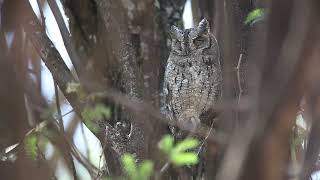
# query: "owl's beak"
185,49
185,52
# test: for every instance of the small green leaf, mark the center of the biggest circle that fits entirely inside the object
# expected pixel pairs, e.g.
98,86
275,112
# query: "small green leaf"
255,16
129,166
30,145
146,170
188,158
103,110
166,143
91,114
186,144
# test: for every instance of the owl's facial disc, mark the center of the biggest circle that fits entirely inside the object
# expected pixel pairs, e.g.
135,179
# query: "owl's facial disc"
179,44
180,48
190,41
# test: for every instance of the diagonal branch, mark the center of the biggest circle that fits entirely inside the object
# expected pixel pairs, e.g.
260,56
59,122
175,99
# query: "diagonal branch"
66,37
52,59
50,55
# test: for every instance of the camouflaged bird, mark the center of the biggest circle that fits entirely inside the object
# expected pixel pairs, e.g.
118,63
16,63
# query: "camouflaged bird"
193,78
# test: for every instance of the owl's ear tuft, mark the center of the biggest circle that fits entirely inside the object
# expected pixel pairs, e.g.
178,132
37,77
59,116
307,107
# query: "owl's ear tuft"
175,32
203,26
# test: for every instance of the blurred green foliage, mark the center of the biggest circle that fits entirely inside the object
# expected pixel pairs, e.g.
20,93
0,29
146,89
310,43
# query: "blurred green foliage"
30,145
255,16
135,171
97,112
180,154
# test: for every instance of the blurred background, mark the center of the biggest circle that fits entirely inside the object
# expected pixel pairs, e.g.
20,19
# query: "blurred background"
81,86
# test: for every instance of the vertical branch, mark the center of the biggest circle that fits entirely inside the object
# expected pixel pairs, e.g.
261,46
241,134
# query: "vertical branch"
239,79
70,159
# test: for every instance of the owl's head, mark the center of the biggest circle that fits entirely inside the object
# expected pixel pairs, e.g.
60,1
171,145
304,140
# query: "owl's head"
190,41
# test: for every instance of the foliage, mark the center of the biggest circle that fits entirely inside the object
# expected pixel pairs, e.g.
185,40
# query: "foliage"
255,16
180,153
90,114
30,145
142,171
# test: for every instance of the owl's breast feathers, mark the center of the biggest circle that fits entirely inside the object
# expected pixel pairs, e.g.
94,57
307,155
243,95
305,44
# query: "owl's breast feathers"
193,85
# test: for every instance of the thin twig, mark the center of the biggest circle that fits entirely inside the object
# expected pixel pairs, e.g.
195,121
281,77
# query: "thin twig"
239,79
85,140
164,167
104,145
37,64
205,139
58,107
43,157
239,87
73,168
43,19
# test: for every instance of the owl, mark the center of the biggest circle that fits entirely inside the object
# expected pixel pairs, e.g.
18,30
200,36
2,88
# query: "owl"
193,78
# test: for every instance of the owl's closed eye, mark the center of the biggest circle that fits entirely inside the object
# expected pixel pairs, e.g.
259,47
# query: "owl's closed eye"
177,44
199,41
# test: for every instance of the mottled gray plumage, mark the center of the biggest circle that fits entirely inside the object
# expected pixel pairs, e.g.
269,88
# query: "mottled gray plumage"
193,78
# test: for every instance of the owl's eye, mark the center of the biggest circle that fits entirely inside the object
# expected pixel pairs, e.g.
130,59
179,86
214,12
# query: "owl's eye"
177,44
199,41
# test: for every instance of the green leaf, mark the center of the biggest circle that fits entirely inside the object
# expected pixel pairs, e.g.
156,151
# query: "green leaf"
103,110
97,112
255,16
166,143
187,158
186,144
129,166
146,170
90,114
30,145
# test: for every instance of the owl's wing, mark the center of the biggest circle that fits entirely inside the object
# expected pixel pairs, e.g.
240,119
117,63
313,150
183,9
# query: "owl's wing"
165,102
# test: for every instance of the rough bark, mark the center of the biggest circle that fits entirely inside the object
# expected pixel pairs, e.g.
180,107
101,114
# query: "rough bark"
132,39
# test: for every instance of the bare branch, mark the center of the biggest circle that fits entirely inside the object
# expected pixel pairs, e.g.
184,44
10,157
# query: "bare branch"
66,37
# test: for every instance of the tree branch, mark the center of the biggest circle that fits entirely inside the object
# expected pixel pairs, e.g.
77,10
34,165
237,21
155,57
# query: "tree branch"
66,37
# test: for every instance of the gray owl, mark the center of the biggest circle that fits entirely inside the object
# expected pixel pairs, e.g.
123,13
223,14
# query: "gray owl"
193,78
